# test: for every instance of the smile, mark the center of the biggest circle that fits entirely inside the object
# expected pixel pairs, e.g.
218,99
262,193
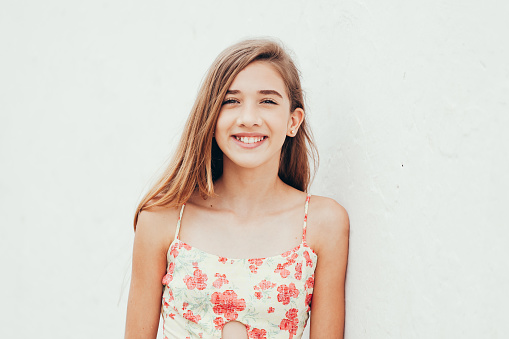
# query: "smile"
249,140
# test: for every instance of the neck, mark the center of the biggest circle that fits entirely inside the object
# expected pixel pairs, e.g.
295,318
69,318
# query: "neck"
246,189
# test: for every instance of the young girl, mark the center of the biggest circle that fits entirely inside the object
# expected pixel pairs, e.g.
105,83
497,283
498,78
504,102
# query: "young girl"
228,244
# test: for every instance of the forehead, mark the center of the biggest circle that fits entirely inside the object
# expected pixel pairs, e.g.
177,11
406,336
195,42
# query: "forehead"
257,76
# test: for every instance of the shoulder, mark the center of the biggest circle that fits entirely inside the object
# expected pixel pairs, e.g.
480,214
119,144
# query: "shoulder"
157,216
328,224
328,214
157,225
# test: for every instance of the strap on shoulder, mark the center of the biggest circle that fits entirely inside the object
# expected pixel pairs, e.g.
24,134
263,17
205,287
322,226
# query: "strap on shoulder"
304,228
178,222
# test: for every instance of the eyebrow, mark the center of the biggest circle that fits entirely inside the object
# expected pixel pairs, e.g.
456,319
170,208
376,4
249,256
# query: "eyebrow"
263,91
270,91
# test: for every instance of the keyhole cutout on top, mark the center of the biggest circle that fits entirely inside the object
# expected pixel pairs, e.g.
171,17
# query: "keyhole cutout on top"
234,330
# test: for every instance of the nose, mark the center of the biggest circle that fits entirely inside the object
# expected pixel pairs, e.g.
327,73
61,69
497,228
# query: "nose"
249,115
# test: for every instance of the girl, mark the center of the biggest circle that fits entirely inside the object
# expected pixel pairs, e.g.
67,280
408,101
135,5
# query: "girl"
228,244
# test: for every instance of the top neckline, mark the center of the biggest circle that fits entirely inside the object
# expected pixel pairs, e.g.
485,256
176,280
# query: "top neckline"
295,249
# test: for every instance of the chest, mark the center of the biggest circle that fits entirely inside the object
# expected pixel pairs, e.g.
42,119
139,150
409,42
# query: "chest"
270,293
241,239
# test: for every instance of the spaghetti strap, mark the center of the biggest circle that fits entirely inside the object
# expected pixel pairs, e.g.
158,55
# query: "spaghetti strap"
304,228
178,222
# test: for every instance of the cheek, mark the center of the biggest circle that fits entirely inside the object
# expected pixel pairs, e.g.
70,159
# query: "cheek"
221,131
279,124
220,124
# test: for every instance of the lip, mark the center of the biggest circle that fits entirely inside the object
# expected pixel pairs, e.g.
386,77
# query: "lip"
253,135
249,134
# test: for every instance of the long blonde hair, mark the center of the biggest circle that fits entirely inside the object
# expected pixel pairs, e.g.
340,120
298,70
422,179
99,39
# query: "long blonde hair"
198,161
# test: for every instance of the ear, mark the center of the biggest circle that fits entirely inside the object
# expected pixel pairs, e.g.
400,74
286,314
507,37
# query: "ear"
296,118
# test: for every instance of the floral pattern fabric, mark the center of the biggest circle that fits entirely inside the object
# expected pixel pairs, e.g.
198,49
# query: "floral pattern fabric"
270,296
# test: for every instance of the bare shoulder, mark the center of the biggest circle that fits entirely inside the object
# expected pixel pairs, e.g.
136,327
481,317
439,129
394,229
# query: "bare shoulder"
328,223
157,225
328,214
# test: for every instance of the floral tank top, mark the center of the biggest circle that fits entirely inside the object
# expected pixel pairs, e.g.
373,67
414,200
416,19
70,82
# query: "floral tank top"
270,296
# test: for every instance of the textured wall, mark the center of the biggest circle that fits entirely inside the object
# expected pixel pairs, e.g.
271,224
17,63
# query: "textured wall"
408,101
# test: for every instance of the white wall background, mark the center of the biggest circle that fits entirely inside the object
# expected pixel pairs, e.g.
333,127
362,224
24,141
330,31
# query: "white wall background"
409,105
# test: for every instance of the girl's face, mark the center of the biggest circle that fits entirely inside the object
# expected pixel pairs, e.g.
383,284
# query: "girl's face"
255,117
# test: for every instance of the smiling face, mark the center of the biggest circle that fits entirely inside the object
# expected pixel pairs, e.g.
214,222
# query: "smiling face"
255,118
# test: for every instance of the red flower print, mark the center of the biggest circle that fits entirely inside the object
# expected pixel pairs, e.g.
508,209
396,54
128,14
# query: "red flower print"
264,285
287,292
310,282
298,271
258,295
170,298
271,310
291,322
167,278
292,258
171,315
255,263
223,260
221,279
228,304
287,253
309,262
184,245
219,322
308,300
257,334
282,270
191,317
198,280
169,275
184,305
174,251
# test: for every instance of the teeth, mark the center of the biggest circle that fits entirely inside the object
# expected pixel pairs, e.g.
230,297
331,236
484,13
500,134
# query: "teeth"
249,140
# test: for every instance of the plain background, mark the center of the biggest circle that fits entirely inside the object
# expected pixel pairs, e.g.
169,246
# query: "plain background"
408,102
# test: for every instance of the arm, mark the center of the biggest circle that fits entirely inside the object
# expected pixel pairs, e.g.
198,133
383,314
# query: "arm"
328,304
149,267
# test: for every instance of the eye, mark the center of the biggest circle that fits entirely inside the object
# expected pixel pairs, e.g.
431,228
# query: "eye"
230,101
269,101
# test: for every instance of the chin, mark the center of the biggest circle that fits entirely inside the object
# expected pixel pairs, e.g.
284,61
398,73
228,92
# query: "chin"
251,163
248,164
